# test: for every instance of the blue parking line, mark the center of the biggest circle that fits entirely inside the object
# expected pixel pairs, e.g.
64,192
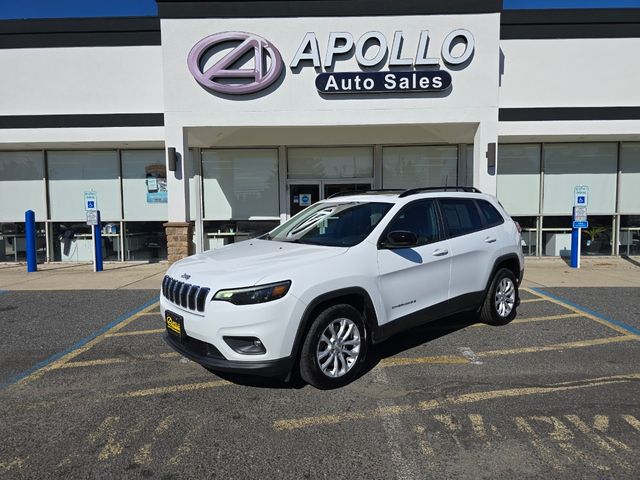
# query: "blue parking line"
85,340
618,323
3,291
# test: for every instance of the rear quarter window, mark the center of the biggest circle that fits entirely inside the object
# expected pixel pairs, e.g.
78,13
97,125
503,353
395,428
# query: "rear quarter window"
492,216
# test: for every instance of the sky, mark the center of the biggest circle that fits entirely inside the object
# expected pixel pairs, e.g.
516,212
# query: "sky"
11,9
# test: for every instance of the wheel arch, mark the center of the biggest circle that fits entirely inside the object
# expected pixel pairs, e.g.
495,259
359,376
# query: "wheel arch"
357,297
510,261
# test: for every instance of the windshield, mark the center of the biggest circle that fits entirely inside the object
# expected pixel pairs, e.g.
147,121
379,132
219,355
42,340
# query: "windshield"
332,224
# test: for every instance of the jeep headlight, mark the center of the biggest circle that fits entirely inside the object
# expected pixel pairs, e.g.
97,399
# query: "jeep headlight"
252,295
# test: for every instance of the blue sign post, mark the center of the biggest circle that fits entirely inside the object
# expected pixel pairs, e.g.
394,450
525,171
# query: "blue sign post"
30,234
575,247
97,235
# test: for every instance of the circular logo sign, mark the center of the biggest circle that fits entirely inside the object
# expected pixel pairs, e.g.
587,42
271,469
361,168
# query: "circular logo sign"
267,63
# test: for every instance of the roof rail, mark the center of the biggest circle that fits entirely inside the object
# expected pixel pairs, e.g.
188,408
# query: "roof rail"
353,192
456,188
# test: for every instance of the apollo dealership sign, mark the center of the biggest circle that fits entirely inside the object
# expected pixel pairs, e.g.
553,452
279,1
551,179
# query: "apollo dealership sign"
417,73
252,79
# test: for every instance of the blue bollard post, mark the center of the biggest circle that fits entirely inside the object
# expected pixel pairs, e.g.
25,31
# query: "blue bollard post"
30,234
575,247
98,243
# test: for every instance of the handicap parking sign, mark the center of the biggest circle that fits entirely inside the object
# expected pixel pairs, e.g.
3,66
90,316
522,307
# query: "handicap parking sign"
90,201
581,195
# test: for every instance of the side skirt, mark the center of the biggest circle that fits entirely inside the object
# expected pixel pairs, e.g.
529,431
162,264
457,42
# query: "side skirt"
462,303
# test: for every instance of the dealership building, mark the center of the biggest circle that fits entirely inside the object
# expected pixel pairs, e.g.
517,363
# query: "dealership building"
216,121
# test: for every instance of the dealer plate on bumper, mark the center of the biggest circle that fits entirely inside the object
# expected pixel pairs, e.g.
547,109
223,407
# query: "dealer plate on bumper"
174,324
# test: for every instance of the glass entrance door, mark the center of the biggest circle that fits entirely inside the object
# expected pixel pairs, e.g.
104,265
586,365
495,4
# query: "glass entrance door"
301,195
334,188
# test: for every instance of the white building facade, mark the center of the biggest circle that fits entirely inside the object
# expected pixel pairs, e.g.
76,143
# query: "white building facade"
219,120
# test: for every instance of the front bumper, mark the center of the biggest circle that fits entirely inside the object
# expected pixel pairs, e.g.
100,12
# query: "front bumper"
208,356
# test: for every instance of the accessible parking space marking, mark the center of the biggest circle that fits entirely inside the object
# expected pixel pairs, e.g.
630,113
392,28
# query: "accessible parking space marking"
136,332
444,359
616,325
463,399
558,346
115,360
531,300
535,319
61,358
189,387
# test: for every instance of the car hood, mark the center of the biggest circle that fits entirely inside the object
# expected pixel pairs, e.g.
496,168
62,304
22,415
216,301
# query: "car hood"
246,263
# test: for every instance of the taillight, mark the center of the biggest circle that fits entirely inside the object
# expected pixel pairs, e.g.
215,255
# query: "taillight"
518,227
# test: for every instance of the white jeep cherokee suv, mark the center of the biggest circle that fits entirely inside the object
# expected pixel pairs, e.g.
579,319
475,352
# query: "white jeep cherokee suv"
346,272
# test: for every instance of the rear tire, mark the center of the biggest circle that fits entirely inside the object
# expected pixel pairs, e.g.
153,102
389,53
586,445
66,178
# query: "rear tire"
335,348
501,301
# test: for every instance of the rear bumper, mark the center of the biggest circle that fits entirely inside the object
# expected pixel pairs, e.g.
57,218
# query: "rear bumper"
216,362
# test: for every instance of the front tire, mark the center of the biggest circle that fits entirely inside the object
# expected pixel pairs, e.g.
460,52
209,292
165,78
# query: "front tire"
499,306
335,348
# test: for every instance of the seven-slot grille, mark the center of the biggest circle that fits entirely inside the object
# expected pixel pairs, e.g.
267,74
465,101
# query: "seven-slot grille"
186,295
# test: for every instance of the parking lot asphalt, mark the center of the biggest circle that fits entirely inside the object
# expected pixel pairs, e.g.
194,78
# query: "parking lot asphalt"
554,394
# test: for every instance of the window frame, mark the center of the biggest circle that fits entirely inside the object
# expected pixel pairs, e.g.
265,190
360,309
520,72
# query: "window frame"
440,223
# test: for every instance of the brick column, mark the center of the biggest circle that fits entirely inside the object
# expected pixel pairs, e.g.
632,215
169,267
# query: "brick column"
179,240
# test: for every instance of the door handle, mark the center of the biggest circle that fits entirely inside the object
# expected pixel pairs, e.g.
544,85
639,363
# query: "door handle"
490,239
440,252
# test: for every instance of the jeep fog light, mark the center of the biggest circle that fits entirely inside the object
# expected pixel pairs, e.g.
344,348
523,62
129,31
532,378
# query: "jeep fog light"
246,345
252,295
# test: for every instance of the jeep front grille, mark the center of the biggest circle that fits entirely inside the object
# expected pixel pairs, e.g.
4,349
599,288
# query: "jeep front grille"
191,297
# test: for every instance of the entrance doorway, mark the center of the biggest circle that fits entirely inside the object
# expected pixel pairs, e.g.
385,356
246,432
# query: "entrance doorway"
305,193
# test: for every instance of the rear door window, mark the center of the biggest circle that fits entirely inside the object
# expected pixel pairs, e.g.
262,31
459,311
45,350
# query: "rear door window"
461,216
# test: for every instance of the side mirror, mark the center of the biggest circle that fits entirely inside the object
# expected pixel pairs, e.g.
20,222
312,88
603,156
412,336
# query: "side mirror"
400,239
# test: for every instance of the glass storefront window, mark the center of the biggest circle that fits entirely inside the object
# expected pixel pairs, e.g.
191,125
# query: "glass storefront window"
330,162
13,243
469,166
144,185
529,235
72,242
22,185
629,178
219,234
240,184
630,235
144,241
556,236
519,178
419,166
556,244
598,238
569,164
72,173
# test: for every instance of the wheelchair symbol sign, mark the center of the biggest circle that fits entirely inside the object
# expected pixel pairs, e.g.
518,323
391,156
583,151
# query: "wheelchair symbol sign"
90,201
